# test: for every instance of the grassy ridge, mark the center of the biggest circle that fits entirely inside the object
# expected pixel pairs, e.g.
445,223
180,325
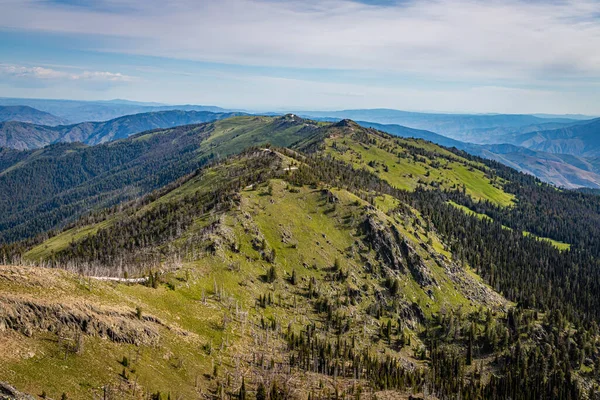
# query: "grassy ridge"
206,302
389,159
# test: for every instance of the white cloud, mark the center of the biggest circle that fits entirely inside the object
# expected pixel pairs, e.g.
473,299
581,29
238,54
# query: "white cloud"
101,76
463,39
31,72
459,55
49,74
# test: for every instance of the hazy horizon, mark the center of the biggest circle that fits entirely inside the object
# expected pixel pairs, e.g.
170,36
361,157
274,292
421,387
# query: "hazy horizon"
285,110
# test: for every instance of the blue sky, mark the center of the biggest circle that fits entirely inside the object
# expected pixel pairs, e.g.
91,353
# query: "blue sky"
512,56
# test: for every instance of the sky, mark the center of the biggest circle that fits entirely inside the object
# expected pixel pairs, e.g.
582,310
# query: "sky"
504,56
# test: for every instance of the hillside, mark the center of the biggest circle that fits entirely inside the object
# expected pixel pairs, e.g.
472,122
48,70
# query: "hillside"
260,222
562,170
26,136
46,188
65,180
305,272
23,136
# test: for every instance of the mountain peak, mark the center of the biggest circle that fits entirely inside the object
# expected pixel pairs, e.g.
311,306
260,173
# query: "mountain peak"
290,117
347,123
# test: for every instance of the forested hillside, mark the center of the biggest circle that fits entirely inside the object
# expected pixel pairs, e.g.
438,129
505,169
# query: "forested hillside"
336,262
46,188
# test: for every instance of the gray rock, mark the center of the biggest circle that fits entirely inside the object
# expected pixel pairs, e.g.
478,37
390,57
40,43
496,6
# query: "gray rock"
8,392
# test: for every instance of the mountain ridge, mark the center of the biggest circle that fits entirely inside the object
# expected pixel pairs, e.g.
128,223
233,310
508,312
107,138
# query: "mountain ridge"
31,115
451,125
77,111
578,140
25,136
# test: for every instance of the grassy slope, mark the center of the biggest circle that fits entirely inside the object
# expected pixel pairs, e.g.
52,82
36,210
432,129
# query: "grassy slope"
407,173
62,240
308,235
394,163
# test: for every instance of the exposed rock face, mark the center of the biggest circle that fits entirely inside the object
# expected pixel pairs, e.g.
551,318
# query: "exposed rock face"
8,392
330,196
395,251
384,241
27,315
417,267
218,237
412,314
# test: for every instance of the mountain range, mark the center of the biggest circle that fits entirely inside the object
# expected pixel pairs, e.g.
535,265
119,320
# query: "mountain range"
75,111
556,149
457,126
581,139
280,257
21,135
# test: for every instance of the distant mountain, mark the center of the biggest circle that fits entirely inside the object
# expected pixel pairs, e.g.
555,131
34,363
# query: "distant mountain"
562,170
80,111
456,126
582,139
570,116
134,103
403,131
23,136
29,114
498,135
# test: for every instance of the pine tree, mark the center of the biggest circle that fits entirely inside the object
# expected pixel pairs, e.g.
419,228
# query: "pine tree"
470,345
293,279
261,392
242,394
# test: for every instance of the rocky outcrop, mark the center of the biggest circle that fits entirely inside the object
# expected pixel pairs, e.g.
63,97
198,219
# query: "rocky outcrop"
384,241
330,196
395,252
416,266
8,392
